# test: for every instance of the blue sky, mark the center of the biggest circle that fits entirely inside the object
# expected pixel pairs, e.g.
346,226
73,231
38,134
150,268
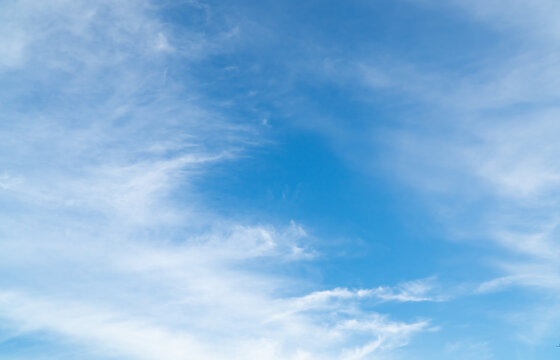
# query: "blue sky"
284,180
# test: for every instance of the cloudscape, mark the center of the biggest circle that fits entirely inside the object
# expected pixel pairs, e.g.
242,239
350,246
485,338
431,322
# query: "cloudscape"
279,180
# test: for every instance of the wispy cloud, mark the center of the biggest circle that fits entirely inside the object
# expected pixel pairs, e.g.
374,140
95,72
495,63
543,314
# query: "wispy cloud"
413,291
497,126
478,140
105,247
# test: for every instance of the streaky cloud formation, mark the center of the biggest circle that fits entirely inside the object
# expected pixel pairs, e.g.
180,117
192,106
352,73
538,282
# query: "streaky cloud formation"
502,153
279,180
106,250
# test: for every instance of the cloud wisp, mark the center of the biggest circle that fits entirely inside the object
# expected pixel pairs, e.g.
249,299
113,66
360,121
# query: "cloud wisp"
484,151
105,248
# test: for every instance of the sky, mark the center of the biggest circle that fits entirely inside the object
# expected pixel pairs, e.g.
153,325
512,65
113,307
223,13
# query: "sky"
280,180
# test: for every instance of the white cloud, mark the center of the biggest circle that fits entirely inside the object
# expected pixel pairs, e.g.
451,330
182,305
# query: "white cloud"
183,298
412,291
105,247
387,339
113,332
